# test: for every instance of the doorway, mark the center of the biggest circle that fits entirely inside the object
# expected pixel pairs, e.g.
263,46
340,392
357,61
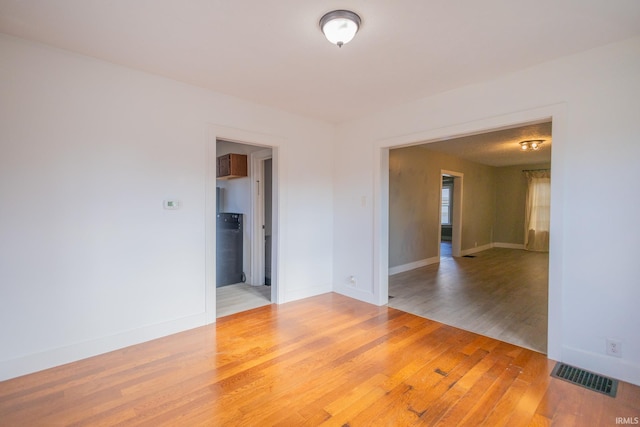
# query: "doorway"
451,190
446,216
465,287
247,198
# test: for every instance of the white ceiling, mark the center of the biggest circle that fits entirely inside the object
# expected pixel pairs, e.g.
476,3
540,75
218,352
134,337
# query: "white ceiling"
500,147
273,53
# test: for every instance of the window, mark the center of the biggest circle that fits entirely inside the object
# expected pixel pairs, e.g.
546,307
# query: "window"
446,208
538,210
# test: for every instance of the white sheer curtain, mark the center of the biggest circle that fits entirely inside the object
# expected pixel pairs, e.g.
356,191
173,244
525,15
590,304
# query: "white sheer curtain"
538,209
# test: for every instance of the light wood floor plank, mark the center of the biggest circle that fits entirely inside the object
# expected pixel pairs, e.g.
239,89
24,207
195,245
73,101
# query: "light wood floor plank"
501,293
232,299
326,360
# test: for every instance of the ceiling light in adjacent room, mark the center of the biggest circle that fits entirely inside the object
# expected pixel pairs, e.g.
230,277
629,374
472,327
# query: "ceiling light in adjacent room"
340,26
531,144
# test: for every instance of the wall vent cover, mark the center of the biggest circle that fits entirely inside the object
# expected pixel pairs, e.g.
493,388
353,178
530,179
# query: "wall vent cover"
585,379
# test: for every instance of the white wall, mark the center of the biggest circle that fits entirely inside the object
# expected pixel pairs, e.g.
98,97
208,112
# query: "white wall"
89,260
593,100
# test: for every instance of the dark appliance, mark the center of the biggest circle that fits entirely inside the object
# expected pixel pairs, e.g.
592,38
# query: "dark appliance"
229,252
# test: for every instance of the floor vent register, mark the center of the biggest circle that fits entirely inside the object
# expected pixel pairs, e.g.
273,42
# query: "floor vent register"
585,379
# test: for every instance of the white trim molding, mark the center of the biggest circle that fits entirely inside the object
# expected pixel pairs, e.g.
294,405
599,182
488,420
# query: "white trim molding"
558,114
413,265
215,132
627,370
59,356
476,249
508,245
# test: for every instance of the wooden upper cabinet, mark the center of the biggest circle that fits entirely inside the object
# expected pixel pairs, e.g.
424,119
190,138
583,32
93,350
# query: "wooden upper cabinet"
232,166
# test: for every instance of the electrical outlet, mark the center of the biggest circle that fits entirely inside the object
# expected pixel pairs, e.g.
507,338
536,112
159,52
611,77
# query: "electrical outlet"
352,280
614,347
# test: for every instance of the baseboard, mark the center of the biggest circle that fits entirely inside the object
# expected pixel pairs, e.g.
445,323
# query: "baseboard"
421,263
413,265
476,249
614,367
508,245
59,356
355,293
297,294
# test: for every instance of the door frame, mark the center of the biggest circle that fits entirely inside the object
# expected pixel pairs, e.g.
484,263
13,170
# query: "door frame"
215,132
558,114
257,201
456,226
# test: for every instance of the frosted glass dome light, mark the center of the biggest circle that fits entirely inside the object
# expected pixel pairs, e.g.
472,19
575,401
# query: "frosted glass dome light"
340,26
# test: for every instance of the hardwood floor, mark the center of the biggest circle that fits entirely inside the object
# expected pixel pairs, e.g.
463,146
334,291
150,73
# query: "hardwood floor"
233,299
326,360
500,293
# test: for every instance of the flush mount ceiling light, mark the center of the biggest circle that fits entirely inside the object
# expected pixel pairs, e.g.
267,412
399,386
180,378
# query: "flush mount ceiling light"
531,144
340,26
